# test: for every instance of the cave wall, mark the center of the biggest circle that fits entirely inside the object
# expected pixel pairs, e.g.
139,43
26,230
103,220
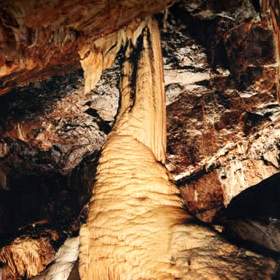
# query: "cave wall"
221,64
40,39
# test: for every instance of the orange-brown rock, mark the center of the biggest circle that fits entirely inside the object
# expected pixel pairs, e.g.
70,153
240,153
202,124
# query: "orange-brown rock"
42,39
270,11
25,257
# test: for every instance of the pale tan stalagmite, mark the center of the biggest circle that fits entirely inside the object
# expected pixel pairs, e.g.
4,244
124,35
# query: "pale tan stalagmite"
137,227
142,113
134,206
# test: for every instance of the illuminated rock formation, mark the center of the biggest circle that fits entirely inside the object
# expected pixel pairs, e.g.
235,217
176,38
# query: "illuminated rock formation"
221,79
41,39
137,227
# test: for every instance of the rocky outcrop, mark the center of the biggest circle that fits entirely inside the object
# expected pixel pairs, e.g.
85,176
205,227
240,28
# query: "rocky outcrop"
40,40
223,129
25,257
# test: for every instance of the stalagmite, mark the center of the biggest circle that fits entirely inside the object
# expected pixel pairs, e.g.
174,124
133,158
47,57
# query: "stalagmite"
137,227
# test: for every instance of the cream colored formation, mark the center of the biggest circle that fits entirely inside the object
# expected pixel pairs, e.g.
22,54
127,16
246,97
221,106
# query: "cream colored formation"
134,206
137,227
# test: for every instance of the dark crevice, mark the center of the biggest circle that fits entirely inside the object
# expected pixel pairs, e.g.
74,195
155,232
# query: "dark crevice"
103,125
257,6
46,200
259,201
134,61
207,34
252,219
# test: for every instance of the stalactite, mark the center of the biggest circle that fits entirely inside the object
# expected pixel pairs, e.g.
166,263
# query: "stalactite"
41,40
101,54
25,257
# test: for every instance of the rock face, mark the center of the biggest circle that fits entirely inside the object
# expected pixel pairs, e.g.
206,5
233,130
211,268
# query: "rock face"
223,131
25,257
221,70
41,39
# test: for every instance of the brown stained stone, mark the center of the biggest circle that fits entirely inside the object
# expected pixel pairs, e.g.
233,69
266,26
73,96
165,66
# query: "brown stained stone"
201,201
250,50
202,122
226,126
234,168
25,257
50,136
269,11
